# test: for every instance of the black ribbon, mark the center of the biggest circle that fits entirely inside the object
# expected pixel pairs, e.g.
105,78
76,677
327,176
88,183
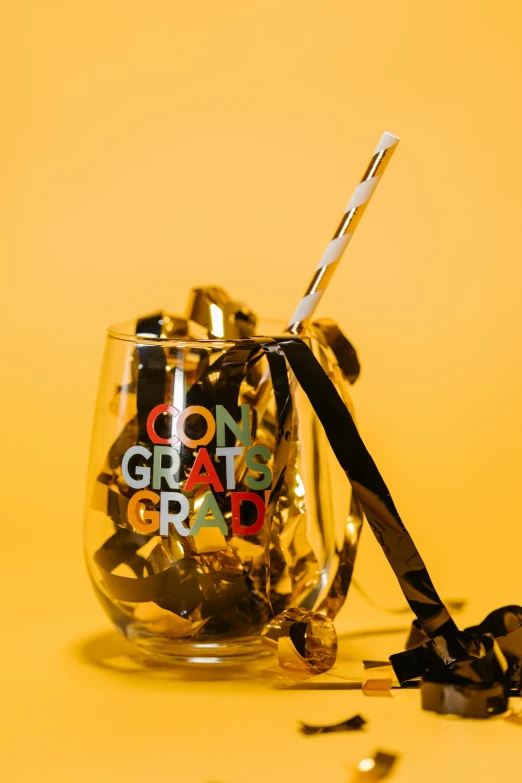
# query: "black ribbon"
467,673
369,487
367,483
450,659
470,672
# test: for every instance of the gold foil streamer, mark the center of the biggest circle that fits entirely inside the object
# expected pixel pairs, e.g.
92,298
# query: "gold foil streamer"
305,642
378,678
375,767
164,622
220,316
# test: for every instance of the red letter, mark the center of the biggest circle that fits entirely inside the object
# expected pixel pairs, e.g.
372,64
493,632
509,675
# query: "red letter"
211,477
151,420
237,527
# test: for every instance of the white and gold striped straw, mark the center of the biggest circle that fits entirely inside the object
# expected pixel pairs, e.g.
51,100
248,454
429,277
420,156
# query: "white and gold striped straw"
351,218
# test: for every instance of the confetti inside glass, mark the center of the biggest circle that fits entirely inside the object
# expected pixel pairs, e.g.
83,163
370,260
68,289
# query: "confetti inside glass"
209,513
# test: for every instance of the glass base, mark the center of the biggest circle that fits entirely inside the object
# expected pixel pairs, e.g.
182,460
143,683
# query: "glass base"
184,651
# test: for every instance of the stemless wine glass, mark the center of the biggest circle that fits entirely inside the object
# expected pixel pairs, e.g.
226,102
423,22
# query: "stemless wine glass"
209,509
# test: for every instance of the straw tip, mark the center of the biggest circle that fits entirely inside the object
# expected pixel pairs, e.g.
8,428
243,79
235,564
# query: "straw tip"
387,140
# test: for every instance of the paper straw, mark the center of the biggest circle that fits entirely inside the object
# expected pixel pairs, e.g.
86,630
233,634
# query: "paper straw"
351,218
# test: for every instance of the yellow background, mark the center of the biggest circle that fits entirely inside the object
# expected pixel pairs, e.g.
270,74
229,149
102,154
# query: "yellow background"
148,147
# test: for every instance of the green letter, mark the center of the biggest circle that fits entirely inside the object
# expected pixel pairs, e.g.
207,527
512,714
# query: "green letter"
209,504
252,482
170,474
242,433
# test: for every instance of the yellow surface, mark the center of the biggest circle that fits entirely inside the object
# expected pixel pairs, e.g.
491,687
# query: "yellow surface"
151,146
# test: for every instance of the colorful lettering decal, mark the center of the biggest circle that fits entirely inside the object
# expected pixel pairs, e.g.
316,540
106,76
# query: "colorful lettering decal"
153,508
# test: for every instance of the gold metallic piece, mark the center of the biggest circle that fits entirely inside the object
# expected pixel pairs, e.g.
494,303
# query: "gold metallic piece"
373,167
350,221
321,278
306,642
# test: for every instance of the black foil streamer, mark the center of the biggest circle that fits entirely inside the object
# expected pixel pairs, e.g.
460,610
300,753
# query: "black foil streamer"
344,351
505,624
354,723
367,483
151,375
469,673
369,487
463,672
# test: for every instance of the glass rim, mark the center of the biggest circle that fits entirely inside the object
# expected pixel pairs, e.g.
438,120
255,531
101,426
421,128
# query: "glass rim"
125,332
